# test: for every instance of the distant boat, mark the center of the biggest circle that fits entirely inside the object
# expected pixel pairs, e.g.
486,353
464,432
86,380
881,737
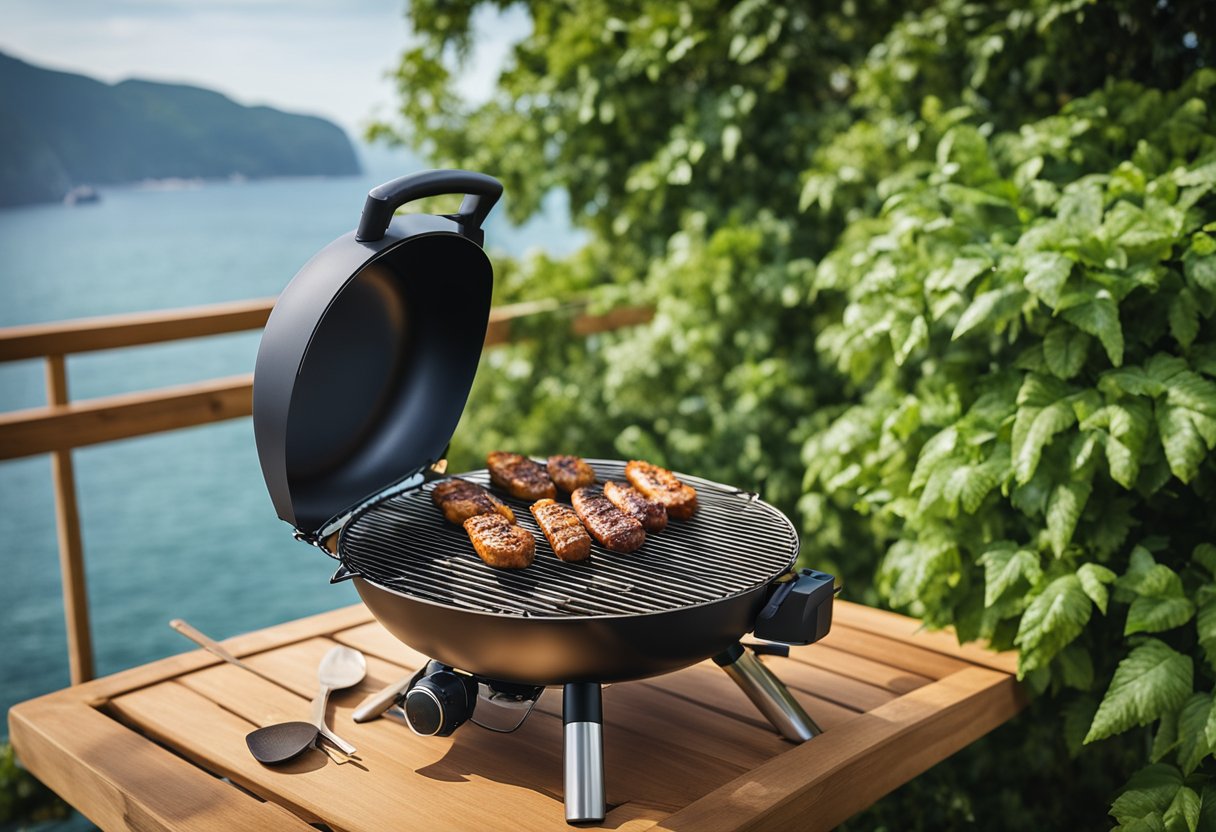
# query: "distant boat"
81,195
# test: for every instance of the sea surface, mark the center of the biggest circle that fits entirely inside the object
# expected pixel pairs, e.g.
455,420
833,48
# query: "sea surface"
175,525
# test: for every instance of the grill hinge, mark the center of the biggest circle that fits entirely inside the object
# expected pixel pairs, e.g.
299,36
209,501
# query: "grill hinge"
317,540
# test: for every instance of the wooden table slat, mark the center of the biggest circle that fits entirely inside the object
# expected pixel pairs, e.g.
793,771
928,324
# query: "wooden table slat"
96,763
910,631
893,652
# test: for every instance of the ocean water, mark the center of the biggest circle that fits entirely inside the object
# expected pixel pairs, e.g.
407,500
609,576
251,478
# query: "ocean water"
176,524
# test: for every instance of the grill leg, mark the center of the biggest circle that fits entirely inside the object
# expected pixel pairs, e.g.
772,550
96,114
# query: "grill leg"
768,693
583,717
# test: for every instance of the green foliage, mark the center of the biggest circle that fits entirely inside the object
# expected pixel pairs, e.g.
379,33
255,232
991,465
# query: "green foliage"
23,798
938,279
1073,349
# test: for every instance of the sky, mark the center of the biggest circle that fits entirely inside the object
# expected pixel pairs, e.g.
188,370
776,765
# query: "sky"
307,56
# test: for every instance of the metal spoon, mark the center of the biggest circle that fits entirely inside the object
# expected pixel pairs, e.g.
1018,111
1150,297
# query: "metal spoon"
216,649
341,668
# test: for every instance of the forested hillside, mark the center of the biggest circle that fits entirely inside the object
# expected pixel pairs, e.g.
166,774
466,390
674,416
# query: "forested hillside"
58,130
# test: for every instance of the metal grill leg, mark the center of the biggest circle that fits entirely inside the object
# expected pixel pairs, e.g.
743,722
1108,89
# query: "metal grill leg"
768,693
583,717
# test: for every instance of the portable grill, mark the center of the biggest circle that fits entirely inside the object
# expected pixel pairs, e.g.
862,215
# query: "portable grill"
362,375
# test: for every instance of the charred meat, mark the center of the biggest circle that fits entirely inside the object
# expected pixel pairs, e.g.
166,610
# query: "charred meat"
499,542
570,472
562,529
613,528
519,476
460,499
650,513
662,486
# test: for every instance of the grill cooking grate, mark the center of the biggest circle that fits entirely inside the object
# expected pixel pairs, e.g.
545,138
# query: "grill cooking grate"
734,542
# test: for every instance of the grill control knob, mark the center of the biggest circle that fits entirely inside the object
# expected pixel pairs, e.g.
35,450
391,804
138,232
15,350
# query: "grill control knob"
439,702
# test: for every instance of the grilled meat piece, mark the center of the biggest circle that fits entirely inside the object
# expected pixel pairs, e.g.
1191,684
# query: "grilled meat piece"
460,499
650,513
613,528
500,543
570,472
519,476
562,529
661,485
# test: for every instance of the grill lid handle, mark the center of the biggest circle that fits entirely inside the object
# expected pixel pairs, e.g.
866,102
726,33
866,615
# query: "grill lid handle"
481,192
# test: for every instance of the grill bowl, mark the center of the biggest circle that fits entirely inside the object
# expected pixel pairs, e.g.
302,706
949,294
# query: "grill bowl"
690,592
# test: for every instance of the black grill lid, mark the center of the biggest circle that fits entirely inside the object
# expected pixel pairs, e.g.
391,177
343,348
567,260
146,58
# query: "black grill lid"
368,356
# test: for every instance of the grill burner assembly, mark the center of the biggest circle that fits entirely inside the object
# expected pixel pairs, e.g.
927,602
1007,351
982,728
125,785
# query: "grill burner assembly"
361,377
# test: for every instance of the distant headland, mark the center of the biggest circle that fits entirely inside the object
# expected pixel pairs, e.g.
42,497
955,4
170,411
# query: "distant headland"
60,131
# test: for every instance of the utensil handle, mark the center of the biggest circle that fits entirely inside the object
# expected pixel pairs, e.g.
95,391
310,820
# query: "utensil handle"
380,701
343,746
318,707
318,719
216,649
383,200
208,644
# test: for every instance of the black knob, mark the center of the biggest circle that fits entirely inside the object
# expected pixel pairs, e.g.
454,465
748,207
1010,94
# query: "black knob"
439,703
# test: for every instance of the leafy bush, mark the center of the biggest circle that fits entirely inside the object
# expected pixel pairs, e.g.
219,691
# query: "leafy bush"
1029,314
938,279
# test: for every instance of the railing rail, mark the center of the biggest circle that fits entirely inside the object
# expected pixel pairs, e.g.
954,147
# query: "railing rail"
64,424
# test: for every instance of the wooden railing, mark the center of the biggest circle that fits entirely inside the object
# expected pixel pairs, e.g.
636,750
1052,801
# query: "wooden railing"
63,424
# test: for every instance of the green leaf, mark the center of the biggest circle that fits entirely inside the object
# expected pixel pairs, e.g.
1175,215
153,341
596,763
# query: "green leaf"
934,452
1100,318
1065,349
1153,615
1150,681
1165,739
1148,823
1074,667
1046,274
960,274
1054,618
1038,419
1193,743
1063,511
995,302
1094,578
1151,790
968,485
1183,444
1132,381
1186,420
1205,624
1080,208
1209,728
1205,555
1201,269
1184,317
1183,813
1127,425
1003,565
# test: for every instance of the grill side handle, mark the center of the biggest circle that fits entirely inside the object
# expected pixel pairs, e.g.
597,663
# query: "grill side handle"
799,611
344,573
481,192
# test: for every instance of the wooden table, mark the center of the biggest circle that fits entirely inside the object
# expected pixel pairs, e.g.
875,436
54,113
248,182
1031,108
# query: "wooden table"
161,747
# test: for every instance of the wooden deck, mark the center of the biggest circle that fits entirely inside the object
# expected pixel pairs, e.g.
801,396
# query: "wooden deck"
161,747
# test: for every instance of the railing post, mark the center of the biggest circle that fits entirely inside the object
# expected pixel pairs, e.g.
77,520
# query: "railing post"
71,550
